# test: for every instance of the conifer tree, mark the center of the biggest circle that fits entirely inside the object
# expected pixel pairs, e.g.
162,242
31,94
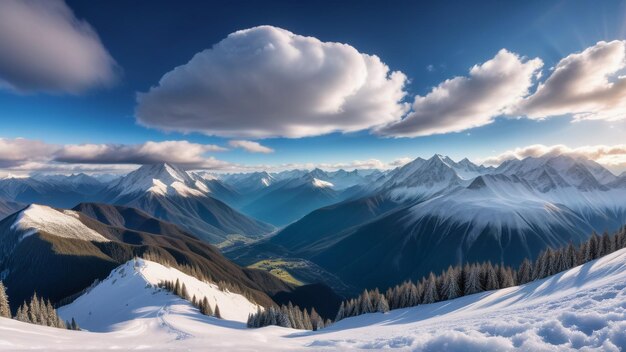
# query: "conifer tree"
430,290
472,280
365,303
5,309
184,294
216,312
74,325
451,284
382,306
524,273
491,278
340,312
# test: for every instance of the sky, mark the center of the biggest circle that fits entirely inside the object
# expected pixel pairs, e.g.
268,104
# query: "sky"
104,86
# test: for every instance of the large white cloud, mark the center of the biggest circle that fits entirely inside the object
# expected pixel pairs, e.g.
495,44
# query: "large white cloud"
461,103
250,146
44,47
17,151
182,153
21,154
613,156
268,82
586,84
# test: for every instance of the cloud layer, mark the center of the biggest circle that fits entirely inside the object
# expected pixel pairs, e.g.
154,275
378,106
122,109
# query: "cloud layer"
268,82
250,146
461,103
584,84
181,153
23,154
611,156
44,47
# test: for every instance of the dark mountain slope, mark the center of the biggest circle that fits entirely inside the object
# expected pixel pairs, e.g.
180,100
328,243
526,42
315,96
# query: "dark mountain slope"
50,251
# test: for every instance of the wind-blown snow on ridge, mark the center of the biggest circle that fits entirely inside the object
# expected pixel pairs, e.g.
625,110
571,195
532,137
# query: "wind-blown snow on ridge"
62,223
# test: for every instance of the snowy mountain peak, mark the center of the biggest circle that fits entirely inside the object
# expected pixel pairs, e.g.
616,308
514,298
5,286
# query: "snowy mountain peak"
158,179
62,223
318,173
321,183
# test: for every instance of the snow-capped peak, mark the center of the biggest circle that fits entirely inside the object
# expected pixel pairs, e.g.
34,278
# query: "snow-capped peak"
62,223
159,179
321,183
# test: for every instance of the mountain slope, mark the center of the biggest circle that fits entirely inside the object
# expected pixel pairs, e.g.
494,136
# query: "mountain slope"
8,207
289,200
131,292
580,309
171,194
431,218
30,190
60,252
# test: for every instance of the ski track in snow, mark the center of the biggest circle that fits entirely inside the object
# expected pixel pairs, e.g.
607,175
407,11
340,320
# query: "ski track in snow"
162,315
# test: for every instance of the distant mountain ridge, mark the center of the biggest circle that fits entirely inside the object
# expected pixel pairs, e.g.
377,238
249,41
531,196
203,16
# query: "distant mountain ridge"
433,213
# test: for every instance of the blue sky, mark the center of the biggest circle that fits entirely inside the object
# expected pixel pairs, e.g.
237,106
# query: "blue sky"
429,42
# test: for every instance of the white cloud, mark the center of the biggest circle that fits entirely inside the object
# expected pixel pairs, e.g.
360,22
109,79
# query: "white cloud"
250,146
461,103
610,156
18,151
585,84
30,155
268,82
44,47
181,153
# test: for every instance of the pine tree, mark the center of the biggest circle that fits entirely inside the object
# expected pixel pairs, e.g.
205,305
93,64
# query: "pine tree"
569,258
605,245
184,294
491,278
365,303
340,312
74,325
205,307
472,280
430,290
5,309
451,284
593,245
306,319
540,267
216,312
382,306
22,313
316,320
177,288
524,273
33,309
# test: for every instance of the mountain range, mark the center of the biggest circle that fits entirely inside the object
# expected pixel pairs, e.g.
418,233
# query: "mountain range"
433,213
368,228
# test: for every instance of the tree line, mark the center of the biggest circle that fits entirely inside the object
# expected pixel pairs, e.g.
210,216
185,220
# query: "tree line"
288,316
36,311
181,291
468,279
196,272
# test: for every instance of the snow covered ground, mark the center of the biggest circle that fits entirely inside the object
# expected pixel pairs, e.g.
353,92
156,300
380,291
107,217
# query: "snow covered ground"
581,309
